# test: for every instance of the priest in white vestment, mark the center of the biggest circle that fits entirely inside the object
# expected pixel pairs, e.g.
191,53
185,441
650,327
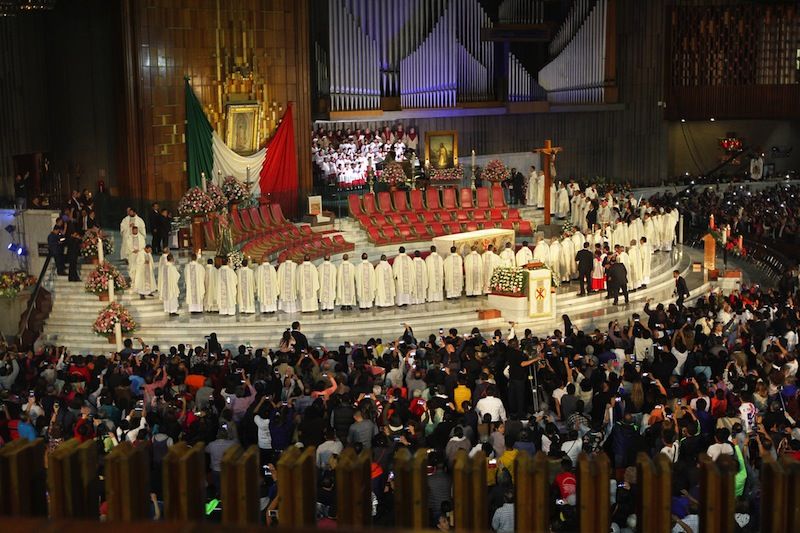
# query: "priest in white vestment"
650,230
553,197
645,257
453,275
365,283
226,289
267,287
562,201
490,261
210,302
194,275
135,247
508,258
554,256
170,287
287,286
568,266
384,284
668,223
327,284
634,266
542,252
346,284
619,237
126,230
403,272
162,271
420,273
524,255
144,282
307,286
540,182
435,265
473,273
246,288
532,188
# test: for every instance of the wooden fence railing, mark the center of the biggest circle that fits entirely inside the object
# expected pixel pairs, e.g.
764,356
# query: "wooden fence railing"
69,488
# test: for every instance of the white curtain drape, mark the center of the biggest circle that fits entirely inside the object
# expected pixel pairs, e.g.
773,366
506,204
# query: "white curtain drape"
229,163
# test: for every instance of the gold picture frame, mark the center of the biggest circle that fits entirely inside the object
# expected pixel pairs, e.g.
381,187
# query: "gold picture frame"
445,149
241,128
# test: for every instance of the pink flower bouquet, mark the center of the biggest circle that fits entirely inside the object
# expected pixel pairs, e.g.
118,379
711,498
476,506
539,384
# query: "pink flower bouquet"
195,202
97,282
112,314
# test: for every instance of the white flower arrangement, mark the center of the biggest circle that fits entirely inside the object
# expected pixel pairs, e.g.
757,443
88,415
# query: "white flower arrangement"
509,280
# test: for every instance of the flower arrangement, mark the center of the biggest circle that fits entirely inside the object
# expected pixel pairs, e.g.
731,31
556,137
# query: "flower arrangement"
567,230
235,259
97,282
392,174
217,196
234,190
512,281
446,174
11,283
90,240
195,203
109,316
736,247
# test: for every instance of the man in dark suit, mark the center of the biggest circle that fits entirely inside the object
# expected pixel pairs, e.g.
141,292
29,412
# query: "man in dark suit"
518,180
618,280
155,228
300,340
73,250
591,216
55,246
585,261
681,290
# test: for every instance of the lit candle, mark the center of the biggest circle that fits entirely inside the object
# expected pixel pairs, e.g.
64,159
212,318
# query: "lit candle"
711,221
203,180
118,335
110,288
473,158
741,242
724,235
248,175
100,253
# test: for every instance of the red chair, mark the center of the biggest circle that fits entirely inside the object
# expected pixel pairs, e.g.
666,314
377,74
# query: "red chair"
306,230
497,214
407,232
277,213
513,214
429,216
462,215
369,204
453,227
496,223
482,194
266,217
507,224
376,236
449,198
397,218
524,227
498,196
466,198
471,226
247,222
432,198
354,204
480,215
400,202
385,202
417,202
392,233
437,229
423,230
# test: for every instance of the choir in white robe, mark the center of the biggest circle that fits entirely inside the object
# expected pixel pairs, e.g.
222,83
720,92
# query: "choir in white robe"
287,286
542,252
384,285
135,248
170,287
327,285
473,274
555,258
346,284
523,257
210,302
162,271
490,261
507,257
403,272
645,256
247,290
635,268
267,288
144,282
435,265
453,275
125,231
365,284
420,273
226,290
307,286
194,276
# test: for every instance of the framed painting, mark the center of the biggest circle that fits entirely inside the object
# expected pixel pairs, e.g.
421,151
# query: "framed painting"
441,149
241,128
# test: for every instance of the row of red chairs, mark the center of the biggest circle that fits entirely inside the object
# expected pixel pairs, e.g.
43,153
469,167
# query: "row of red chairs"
424,231
317,248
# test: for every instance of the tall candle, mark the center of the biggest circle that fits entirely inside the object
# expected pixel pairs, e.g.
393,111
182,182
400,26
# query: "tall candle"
100,252
711,221
473,158
110,289
203,180
118,335
741,242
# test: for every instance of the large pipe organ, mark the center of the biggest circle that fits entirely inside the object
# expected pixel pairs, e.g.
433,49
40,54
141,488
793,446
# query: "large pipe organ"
522,85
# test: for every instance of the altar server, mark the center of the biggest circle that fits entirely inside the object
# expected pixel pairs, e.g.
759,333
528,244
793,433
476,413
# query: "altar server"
194,275
267,287
384,284
507,257
247,288
210,302
307,286
453,275
327,284
126,230
420,273
144,282
135,247
287,286
473,273
524,255
490,261
226,289
346,284
403,272
170,286
365,283
435,265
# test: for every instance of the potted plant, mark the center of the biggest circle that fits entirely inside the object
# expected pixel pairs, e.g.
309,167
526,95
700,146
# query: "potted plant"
89,244
495,171
111,315
196,204
392,175
97,282
12,283
509,281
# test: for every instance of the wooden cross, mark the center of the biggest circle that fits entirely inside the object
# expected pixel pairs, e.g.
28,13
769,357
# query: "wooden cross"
549,152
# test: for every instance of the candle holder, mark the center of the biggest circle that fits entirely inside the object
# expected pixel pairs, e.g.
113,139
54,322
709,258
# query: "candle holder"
472,179
371,176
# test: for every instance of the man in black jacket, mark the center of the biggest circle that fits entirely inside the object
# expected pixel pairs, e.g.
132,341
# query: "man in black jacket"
591,216
681,290
618,280
155,228
585,261
73,249
55,246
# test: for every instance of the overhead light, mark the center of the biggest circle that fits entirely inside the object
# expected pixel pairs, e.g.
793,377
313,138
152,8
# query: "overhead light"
13,247
712,119
10,228
683,120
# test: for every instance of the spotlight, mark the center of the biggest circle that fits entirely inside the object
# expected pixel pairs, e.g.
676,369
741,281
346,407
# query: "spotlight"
11,228
712,119
21,251
12,247
683,120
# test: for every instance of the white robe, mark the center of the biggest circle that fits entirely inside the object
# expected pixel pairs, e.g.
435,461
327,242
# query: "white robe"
365,284
435,265
267,288
247,290
144,282
170,287
625,259
327,285
162,268
420,272
226,290
539,188
384,285
645,257
651,233
346,284
453,275
635,267
125,232
136,246
490,261
553,198
307,286
562,203
532,190
507,258
210,302
473,274
402,270
668,222
568,266
620,235
542,253
287,287
523,257
555,258
194,276
577,242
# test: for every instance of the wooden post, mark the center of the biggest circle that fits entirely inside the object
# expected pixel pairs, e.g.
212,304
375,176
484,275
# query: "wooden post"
791,469
549,151
127,485
22,479
653,503
709,252
297,489
184,482
354,489
72,480
774,505
411,489
239,491
469,491
594,500
532,499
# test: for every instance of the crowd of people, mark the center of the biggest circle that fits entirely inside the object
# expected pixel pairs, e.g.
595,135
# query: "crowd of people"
343,156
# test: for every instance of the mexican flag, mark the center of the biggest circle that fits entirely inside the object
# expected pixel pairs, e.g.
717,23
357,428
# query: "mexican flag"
272,170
